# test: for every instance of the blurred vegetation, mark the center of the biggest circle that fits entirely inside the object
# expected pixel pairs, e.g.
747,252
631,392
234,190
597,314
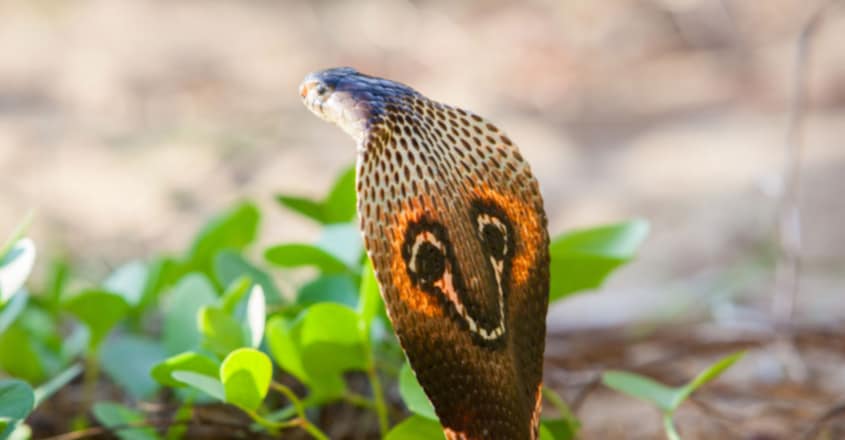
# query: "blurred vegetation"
213,326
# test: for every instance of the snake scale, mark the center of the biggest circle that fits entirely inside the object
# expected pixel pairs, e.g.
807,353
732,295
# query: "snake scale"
453,221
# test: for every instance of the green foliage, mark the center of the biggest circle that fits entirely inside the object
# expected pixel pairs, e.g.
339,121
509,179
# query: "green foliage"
666,399
413,394
99,310
416,428
337,207
113,415
213,323
582,259
246,375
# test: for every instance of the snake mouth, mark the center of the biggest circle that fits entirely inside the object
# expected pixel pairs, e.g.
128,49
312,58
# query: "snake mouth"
327,97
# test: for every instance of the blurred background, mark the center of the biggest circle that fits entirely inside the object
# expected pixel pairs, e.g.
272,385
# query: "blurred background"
125,124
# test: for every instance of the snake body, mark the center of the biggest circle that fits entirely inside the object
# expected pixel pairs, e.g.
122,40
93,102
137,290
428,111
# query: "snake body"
453,221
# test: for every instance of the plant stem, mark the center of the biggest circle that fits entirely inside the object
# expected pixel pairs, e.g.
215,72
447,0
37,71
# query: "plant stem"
301,421
559,404
669,427
378,400
92,373
359,400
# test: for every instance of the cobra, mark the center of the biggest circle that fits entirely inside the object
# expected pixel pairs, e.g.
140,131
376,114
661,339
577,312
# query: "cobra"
453,221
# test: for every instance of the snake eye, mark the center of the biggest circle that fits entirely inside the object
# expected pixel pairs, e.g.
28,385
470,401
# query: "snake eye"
322,90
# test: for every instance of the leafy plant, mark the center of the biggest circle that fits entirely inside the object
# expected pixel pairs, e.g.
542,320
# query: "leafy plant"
212,324
664,398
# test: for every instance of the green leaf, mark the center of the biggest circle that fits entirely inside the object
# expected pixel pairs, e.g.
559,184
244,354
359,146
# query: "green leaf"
19,356
706,376
234,293
331,340
283,343
128,281
207,384
343,241
15,267
283,340
12,309
99,310
339,206
558,429
416,428
221,332
583,259
307,207
413,395
246,375
17,399
230,266
117,417
370,303
180,312
305,255
128,361
189,361
17,234
256,316
58,382
328,288
233,230
641,388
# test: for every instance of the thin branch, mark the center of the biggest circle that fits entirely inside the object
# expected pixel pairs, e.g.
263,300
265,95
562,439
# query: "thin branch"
789,213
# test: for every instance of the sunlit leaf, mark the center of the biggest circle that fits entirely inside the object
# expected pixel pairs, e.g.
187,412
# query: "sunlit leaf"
413,395
339,206
416,428
246,375
331,340
207,384
234,293
221,332
369,302
583,259
256,315
15,267
189,361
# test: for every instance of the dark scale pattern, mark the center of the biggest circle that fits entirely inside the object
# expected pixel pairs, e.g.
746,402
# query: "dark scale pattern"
454,223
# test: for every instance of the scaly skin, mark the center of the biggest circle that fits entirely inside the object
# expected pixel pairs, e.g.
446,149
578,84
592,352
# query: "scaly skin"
453,221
